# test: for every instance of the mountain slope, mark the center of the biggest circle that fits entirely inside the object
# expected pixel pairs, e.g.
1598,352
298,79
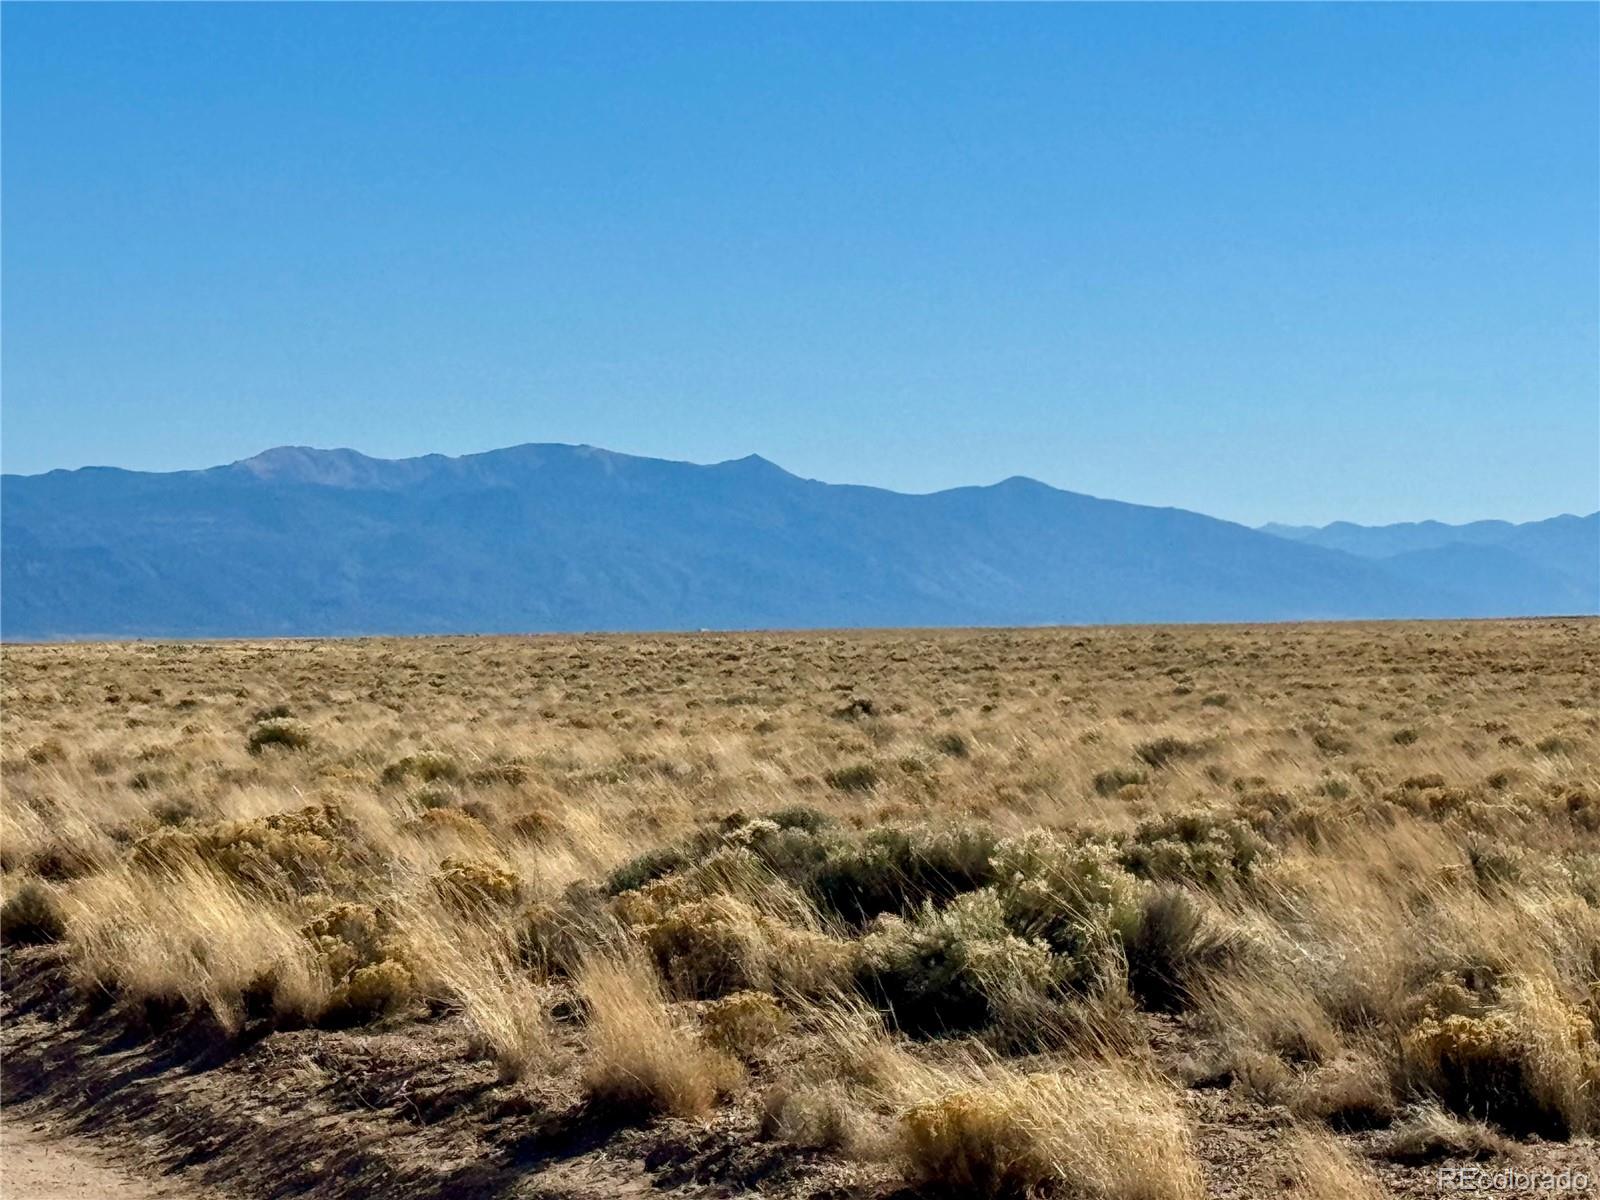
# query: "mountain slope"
1550,566
549,537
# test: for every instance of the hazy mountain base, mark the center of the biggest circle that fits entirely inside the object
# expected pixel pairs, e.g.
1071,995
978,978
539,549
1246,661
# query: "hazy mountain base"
1568,544
1549,566
487,917
561,538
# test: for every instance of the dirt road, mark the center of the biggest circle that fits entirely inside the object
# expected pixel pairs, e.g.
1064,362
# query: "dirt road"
39,1166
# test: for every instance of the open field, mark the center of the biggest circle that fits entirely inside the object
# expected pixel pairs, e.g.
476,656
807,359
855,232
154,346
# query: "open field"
1140,913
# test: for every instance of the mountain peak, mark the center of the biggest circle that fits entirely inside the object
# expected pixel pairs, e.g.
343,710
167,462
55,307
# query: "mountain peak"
754,465
340,467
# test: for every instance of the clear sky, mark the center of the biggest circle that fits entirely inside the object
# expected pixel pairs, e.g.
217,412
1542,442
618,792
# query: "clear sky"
1267,262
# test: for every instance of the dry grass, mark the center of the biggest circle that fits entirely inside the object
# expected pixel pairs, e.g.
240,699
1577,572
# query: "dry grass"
1321,1169
1100,1134
642,1054
507,1011
971,903
1429,1135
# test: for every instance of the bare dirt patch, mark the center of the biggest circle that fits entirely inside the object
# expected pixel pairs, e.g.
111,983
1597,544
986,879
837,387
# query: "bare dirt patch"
36,1164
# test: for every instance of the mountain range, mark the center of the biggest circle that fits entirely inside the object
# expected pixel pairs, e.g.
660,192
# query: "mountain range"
538,537
1538,567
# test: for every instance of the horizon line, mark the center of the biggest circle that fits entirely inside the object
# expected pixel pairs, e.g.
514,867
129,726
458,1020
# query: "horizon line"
760,458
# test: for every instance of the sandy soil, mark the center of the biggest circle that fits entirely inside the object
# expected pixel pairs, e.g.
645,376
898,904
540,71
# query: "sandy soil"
35,1165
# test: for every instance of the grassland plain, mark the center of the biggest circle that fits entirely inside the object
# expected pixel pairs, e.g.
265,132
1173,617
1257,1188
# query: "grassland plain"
1138,913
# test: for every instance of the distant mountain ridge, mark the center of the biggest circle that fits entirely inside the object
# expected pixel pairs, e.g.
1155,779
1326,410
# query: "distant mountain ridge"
1552,564
547,537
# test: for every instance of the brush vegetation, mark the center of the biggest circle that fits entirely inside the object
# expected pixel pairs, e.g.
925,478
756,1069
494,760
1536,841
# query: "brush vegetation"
1092,912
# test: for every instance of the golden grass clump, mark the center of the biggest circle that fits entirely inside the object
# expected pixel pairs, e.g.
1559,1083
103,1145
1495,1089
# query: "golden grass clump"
302,848
1429,1134
509,1012
188,940
707,948
363,956
642,1055
744,1023
1353,1092
1318,1168
1099,1133
468,882
1532,1063
278,732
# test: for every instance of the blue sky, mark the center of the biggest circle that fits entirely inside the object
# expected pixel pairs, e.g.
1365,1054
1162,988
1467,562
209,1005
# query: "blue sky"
1268,262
